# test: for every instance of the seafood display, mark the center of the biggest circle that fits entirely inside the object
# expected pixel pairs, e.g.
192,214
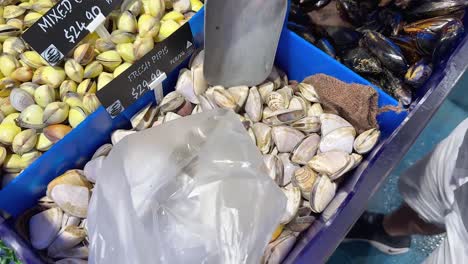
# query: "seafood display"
306,151
40,104
393,44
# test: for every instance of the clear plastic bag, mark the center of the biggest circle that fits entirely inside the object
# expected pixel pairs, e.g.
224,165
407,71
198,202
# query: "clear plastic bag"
193,190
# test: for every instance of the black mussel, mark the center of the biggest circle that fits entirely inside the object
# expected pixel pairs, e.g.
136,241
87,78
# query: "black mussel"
403,3
298,16
450,36
350,10
418,73
386,51
372,23
426,42
326,47
395,87
434,24
407,44
309,5
302,31
436,8
361,61
392,21
342,38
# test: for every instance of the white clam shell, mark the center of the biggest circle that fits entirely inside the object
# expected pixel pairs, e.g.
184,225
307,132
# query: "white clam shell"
120,134
71,199
366,141
308,124
205,103
322,194
240,94
20,99
71,261
44,227
306,150
332,122
265,89
263,137
81,252
277,250
102,151
170,117
288,168
276,101
281,117
224,99
330,163
69,220
197,59
254,105
185,86
199,82
286,138
274,167
305,178
338,139
293,195
357,159
315,110
308,92
92,167
69,237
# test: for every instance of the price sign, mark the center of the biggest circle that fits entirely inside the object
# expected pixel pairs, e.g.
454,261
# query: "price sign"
65,25
132,84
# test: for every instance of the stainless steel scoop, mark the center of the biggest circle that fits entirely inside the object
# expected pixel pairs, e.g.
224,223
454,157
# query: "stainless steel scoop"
241,38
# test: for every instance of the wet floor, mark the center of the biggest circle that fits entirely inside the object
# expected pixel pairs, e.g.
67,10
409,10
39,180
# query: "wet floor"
451,113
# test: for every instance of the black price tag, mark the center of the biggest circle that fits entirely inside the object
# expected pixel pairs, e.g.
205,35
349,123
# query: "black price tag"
65,25
132,84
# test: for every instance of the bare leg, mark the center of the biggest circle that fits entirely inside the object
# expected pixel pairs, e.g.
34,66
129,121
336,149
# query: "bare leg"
405,221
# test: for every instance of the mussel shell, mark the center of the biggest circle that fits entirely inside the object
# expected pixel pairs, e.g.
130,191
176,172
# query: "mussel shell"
361,61
298,16
418,73
388,53
451,35
342,38
407,45
395,87
351,11
436,8
426,41
433,24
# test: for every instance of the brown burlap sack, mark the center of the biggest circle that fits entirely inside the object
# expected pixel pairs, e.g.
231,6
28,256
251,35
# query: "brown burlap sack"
354,102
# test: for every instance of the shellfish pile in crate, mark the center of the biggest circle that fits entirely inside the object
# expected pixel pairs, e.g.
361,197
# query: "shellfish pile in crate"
306,152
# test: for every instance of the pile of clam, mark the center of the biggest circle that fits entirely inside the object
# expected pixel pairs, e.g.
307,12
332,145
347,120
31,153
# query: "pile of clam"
306,152
40,104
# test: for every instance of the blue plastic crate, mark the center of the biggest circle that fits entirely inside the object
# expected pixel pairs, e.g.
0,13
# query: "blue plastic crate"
296,57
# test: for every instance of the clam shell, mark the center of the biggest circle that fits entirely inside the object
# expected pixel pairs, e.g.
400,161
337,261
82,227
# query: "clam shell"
306,150
274,167
102,151
303,219
197,59
366,141
199,82
282,117
73,177
308,92
265,89
71,261
305,178
120,134
330,163
185,86
170,117
288,168
315,110
205,103
44,227
357,159
254,105
308,124
263,137
138,117
20,99
277,250
286,138
287,93
332,122
224,98
80,252
92,167
322,194
339,139
69,237
293,195
69,220
299,103
240,94
172,101
71,199
276,101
